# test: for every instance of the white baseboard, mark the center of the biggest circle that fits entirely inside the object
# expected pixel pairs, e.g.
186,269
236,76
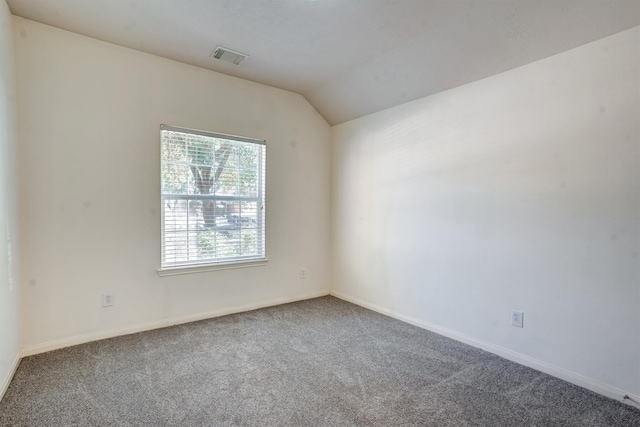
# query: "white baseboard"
7,380
519,358
95,336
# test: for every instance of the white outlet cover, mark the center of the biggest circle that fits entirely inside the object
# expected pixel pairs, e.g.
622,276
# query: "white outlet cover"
517,318
107,300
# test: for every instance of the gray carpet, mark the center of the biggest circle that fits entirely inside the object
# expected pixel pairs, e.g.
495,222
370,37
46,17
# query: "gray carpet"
321,362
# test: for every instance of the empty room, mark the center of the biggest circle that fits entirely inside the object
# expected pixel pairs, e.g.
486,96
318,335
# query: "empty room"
319,212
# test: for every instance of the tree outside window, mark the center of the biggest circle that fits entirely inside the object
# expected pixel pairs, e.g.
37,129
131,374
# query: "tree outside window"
212,198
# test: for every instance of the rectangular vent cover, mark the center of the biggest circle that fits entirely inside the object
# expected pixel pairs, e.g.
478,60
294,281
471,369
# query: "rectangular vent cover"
228,55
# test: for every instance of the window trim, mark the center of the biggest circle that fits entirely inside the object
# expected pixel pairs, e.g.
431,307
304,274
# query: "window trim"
187,267
213,134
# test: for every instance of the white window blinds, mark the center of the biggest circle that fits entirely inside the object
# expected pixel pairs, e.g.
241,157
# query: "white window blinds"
213,194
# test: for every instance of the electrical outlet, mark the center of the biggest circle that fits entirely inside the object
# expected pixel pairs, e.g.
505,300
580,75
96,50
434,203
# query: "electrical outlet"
517,318
303,273
107,300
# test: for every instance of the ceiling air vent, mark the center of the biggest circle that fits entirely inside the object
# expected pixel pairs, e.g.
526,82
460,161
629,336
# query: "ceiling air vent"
229,55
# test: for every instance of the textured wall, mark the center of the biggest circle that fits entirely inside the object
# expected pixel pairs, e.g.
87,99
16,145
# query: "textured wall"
89,124
520,191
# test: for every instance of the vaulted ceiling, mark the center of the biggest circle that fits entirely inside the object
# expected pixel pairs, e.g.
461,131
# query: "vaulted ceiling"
348,58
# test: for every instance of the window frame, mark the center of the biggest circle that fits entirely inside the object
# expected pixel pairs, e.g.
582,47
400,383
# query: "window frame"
260,199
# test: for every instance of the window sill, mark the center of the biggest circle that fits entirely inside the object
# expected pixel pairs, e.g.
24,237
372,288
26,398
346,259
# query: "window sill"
205,268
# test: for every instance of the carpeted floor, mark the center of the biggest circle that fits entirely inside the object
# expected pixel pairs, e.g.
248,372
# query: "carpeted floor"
321,362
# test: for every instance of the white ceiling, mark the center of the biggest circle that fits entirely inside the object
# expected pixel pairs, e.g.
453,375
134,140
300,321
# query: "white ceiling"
347,57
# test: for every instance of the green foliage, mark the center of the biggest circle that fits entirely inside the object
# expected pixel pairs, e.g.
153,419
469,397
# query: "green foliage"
212,243
195,164
206,243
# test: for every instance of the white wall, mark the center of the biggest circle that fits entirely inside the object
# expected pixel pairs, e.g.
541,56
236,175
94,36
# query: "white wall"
520,191
89,117
9,250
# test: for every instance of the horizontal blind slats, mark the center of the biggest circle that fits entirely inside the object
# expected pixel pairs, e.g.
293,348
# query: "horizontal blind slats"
213,193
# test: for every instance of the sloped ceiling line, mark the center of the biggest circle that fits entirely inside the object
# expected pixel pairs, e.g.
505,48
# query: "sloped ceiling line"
348,58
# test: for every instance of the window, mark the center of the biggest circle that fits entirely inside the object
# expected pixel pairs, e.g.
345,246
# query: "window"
213,194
